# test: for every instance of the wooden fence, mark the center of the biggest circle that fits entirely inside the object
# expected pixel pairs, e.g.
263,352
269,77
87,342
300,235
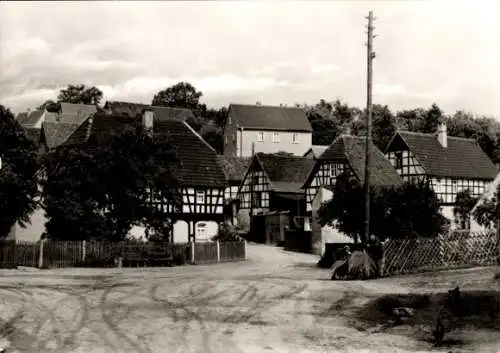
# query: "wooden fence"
454,250
57,254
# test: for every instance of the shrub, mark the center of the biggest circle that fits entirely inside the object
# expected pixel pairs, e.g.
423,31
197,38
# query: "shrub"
226,233
179,259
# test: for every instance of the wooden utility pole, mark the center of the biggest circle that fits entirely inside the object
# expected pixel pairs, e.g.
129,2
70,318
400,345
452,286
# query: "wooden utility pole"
252,186
368,143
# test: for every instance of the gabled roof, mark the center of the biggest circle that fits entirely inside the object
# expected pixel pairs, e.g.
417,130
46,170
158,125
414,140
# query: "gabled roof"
132,110
286,174
234,167
29,119
270,117
56,134
462,158
77,109
351,150
316,151
197,164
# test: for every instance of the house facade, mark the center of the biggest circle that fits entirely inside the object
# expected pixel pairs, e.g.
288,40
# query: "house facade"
345,155
450,164
199,175
273,183
270,129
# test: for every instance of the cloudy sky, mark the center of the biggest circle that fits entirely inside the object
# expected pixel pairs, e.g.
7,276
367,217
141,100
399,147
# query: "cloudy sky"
446,52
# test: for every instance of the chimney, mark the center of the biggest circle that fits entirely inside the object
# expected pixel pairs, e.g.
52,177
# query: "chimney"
147,119
442,135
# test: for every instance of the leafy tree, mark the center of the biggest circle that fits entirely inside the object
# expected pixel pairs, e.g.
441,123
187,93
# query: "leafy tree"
396,212
464,203
488,212
50,106
76,94
180,95
432,117
80,94
213,134
410,120
18,175
102,189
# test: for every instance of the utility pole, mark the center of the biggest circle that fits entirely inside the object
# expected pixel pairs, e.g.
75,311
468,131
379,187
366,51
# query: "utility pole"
370,57
251,187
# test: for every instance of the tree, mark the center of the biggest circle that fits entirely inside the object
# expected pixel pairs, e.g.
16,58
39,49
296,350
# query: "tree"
487,213
102,189
464,203
432,117
395,212
213,134
76,94
80,94
18,176
180,95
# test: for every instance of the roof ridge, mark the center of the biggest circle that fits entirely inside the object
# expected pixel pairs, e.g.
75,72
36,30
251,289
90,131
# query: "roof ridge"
263,106
198,136
434,134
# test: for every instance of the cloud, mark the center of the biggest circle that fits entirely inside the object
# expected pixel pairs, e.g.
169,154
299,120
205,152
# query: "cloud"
275,52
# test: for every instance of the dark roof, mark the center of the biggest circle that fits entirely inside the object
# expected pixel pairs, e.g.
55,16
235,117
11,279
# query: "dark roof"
198,163
462,158
270,118
29,119
135,109
286,173
234,167
56,134
316,150
33,134
77,109
351,150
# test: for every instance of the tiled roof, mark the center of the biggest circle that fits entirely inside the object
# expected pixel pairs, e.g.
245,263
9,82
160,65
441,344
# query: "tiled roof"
29,119
286,173
77,109
316,150
234,167
270,118
351,149
198,163
462,158
33,134
56,134
134,109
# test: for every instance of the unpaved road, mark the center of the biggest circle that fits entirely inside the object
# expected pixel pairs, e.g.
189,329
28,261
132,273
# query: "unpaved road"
275,302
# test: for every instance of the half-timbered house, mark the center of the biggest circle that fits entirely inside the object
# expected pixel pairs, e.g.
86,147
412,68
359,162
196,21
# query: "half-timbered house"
234,169
345,155
199,175
273,183
450,164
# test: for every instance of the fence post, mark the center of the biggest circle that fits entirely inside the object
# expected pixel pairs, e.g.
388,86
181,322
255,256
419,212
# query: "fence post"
192,251
84,250
218,251
40,256
245,250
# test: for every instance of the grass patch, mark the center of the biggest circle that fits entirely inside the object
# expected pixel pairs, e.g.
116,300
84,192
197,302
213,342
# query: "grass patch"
475,309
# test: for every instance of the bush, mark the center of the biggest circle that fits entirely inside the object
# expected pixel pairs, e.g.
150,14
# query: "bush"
179,259
226,233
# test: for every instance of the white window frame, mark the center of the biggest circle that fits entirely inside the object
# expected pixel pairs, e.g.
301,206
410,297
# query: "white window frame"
200,195
295,137
229,120
260,136
276,137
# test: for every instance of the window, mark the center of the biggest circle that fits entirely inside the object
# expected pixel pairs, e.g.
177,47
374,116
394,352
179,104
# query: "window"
257,197
255,180
399,159
295,138
200,197
229,120
454,187
260,136
276,137
226,139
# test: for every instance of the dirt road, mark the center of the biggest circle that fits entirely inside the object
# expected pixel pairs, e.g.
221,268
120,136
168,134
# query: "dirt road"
275,302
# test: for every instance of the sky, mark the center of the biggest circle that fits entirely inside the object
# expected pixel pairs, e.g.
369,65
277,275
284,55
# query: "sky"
447,52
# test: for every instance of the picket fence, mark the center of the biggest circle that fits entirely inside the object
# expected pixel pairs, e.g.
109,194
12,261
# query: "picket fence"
456,249
58,254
